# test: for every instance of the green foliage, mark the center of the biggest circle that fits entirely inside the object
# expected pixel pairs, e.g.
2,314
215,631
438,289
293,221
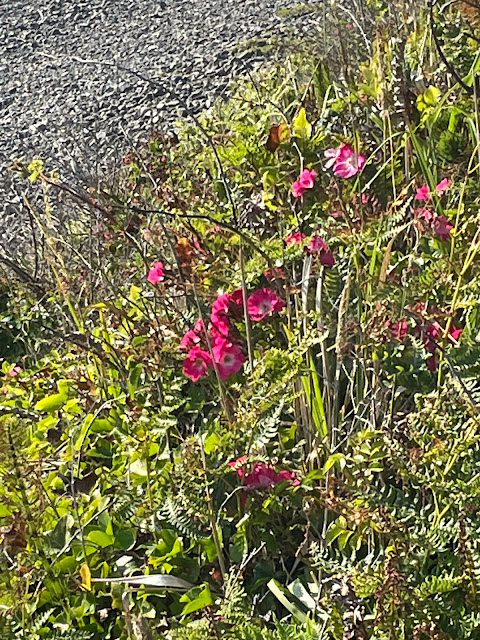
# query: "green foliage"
329,487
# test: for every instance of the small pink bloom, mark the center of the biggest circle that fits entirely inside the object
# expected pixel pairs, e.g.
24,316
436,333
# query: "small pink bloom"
307,178
455,333
263,475
332,155
424,213
296,237
346,162
442,226
156,273
189,340
263,303
237,465
423,193
14,371
196,364
305,181
364,198
442,186
297,189
228,357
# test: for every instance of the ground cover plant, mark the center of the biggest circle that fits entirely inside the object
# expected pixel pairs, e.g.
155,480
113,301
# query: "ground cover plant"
239,392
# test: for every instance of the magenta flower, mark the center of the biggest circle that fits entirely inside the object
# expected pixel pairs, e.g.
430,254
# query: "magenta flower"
424,213
442,226
236,465
196,364
156,273
346,162
189,340
318,245
219,325
307,178
218,317
263,303
443,185
296,237
423,193
433,334
228,357
305,181
263,475
199,327
236,297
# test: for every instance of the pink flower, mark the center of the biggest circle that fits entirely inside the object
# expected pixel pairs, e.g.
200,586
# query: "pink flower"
434,334
237,465
262,475
189,340
297,189
236,297
228,357
14,371
263,303
218,317
199,327
156,273
296,237
318,245
332,155
220,325
305,181
442,226
346,162
424,213
423,193
455,333
221,304
307,178
196,364
443,185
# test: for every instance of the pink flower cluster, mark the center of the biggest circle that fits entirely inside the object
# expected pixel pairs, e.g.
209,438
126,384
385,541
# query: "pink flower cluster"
317,245
431,334
304,181
346,162
262,475
225,352
423,192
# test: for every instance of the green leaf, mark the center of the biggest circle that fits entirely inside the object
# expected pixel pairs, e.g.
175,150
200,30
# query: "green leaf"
125,538
51,403
199,601
60,535
301,127
100,538
284,596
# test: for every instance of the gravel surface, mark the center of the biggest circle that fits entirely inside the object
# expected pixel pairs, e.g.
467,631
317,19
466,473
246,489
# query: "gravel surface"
83,115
